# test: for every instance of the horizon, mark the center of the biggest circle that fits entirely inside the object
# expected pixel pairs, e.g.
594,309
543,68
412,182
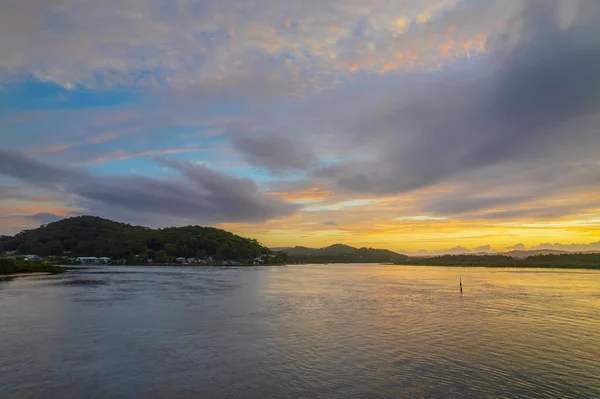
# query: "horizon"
458,250
436,125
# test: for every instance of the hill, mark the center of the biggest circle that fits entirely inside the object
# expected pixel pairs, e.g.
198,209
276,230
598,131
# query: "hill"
95,236
340,253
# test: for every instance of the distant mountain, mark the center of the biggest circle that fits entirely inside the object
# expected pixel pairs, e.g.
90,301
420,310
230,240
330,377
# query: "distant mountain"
279,249
299,250
459,250
565,260
94,236
340,253
514,254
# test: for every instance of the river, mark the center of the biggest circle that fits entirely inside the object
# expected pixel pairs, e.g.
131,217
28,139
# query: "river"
320,331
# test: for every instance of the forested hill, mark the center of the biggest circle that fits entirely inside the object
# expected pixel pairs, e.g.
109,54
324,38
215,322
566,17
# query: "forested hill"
339,253
95,236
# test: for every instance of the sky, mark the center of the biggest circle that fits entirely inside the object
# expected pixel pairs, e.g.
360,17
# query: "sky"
403,124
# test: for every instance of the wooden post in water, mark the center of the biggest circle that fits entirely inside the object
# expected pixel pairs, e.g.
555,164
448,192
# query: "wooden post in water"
461,286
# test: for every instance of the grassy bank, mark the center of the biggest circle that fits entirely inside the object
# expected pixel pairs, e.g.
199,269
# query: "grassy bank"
16,266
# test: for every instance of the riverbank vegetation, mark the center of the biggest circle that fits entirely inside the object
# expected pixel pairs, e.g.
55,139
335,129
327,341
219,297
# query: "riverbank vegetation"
17,266
565,261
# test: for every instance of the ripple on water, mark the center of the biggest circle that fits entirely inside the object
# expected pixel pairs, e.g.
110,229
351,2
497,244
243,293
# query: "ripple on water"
85,282
297,332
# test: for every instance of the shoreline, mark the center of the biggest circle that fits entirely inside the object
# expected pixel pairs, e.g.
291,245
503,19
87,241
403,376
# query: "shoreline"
71,267
74,267
17,275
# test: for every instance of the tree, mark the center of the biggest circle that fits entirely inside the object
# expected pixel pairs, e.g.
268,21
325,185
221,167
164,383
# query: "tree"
161,257
150,254
171,249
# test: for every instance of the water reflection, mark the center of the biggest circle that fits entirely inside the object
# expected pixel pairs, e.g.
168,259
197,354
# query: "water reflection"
301,331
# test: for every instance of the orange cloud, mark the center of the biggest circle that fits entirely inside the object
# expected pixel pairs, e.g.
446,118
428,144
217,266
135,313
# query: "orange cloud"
32,209
310,194
428,52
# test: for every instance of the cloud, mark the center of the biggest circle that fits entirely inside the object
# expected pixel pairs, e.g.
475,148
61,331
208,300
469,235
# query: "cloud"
523,117
528,105
329,223
295,191
200,42
44,217
537,213
419,218
121,155
198,195
483,248
458,250
517,247
276,153
593,246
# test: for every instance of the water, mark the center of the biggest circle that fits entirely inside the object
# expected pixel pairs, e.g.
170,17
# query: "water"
328,331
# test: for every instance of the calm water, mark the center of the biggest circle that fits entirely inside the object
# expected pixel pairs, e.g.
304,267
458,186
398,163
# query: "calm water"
335,331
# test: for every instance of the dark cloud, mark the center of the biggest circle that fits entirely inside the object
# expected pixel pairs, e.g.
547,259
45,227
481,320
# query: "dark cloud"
523,117
198,195
527,122
276,153
523,107
35,172
330,223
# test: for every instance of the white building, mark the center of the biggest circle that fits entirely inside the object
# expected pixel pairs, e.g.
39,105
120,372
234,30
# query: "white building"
87,259
259,261
93,260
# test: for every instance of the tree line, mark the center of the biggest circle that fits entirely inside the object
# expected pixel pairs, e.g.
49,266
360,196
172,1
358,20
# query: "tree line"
570,260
